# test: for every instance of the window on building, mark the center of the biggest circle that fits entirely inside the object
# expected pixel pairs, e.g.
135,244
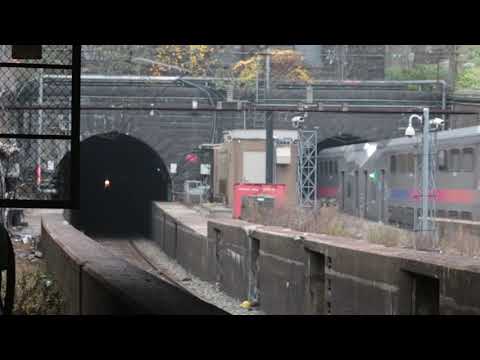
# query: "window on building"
452,214
467,160
411,163
393,164
466,215
454,160
442,160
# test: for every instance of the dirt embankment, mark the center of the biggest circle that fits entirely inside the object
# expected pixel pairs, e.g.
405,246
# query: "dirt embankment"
36,292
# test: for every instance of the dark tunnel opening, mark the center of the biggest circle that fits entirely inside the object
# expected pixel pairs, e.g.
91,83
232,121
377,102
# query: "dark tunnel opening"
119,177
339,140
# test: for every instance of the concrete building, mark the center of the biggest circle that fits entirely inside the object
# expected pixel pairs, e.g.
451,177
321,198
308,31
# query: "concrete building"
242,159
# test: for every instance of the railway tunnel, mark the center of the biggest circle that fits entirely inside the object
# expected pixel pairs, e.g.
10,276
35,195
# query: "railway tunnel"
119,177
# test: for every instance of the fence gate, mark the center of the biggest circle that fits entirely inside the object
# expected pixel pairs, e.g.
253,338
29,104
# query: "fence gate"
39,126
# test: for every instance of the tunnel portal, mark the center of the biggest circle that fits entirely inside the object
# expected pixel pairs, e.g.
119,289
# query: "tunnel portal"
119,177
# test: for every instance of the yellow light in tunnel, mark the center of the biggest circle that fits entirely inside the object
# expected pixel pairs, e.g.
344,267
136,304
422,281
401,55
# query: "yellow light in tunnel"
107,183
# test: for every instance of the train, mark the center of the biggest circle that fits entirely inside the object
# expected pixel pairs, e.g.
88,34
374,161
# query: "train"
379,180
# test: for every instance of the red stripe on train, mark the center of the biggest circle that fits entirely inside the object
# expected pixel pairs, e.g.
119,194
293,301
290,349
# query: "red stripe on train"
327,191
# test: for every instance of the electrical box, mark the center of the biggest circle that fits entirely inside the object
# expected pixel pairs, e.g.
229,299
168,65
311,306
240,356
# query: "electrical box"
283,155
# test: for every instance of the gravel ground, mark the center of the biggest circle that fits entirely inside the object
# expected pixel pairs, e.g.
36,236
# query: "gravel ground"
202,289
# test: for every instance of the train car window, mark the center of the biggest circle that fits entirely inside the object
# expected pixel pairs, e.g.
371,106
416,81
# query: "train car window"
335,163
420,212
454,160
401,216
330,167
441,214
466,215
410,163
320,168
453,214
393,164
402,163
467,160
349,189
410,213
373,190
442,160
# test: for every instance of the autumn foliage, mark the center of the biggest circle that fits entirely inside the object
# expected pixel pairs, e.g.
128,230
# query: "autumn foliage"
286,65
197,60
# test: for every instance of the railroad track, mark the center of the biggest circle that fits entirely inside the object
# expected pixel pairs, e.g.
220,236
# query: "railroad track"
125,248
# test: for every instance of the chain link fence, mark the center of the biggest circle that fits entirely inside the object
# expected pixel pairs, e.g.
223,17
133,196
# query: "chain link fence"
35,123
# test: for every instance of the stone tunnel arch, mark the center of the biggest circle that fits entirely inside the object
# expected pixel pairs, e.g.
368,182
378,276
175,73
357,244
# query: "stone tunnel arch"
339,140
137,175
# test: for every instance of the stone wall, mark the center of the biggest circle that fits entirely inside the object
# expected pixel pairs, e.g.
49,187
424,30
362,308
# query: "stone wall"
93,281
288,272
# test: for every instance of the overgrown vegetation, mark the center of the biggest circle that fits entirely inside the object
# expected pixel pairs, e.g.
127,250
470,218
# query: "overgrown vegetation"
389,236
454,239
469,76
197,60
205,60
36,293
418,72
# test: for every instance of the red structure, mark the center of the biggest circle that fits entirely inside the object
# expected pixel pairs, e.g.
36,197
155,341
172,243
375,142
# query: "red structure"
38,174
277,191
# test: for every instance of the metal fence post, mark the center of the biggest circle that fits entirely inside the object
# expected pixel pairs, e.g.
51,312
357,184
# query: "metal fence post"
270,147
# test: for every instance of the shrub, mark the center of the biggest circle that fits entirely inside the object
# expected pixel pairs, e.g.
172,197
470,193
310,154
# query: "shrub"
37,294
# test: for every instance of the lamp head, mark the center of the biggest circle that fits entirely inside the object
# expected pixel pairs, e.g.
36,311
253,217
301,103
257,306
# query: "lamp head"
410,131
437,122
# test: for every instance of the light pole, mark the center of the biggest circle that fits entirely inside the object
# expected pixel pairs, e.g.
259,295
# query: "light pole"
425,168
426,154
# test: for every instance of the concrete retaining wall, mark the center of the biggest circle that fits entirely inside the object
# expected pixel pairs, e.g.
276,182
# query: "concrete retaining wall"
94,281
296,273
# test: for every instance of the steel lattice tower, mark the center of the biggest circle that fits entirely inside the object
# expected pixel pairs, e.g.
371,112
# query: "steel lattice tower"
431,174
307,169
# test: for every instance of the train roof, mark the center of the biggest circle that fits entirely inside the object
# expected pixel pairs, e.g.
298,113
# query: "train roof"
467,132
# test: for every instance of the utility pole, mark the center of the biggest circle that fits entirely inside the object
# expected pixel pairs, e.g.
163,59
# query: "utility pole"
269,146
268,125
452,66
38,168
425,168
268,61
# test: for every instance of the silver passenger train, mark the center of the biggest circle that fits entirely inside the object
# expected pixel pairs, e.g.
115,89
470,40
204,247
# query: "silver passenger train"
378,181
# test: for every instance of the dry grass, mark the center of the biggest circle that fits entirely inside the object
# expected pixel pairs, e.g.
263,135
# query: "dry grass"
459,239
325,220
390,236
36,293
453,238
329,221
